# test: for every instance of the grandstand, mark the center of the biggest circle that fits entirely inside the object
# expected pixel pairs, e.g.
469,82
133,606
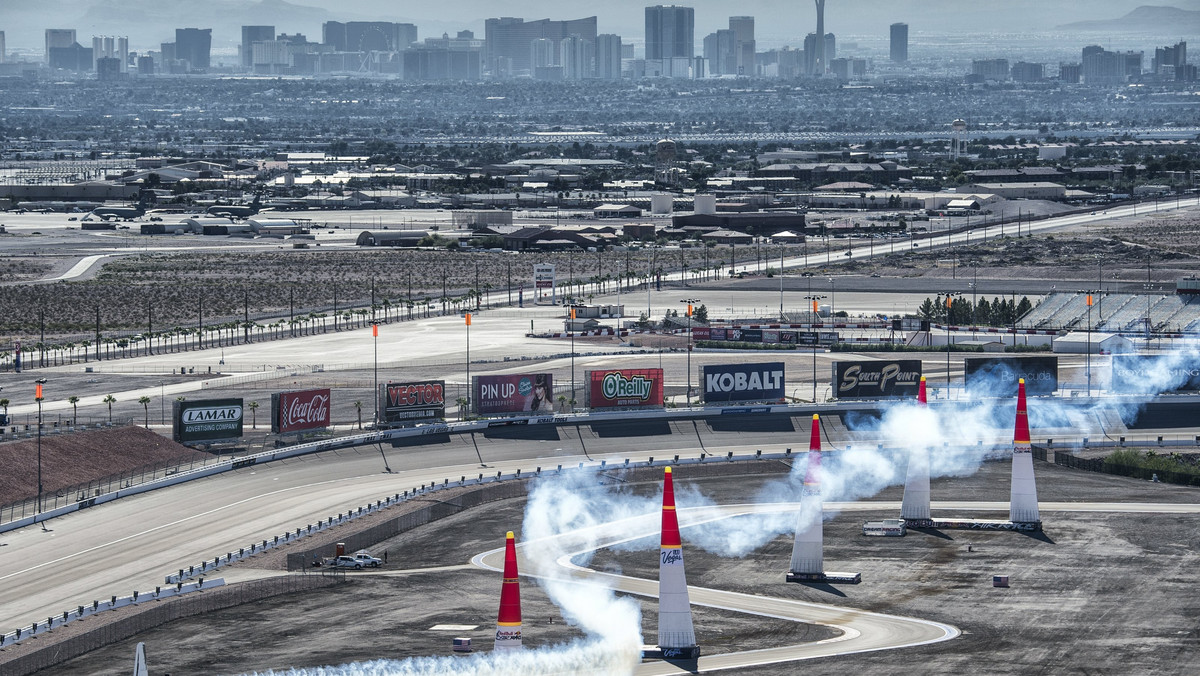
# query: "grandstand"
1122,313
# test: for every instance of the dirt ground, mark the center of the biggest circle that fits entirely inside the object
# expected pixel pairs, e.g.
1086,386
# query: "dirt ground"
1096,593
80,457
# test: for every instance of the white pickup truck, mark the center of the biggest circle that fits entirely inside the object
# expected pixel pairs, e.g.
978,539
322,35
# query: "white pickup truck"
358,561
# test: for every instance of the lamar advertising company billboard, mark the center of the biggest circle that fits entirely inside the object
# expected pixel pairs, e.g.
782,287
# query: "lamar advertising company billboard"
413,402
207,420
625,388
743,382
876,379
300,411
523,393
1151,374
998,376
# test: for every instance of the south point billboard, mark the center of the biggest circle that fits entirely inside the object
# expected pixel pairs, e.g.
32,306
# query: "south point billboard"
876,379
508,394
206,420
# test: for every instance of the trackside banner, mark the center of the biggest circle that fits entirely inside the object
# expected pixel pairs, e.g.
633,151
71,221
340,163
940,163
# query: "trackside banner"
743,382
876,379
1152,374
300,411
516,393
625,388
998,376
206,420
413,402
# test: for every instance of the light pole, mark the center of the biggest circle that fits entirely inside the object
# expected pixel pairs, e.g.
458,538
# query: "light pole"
687,397
1089,343
832,303
817,342
781,251
949,302
162,406
468,397
38,396
375,386
571,330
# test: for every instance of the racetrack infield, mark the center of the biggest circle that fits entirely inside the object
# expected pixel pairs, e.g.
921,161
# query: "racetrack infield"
1097,594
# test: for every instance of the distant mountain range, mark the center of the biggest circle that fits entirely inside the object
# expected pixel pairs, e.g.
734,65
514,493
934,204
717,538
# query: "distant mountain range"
1167,21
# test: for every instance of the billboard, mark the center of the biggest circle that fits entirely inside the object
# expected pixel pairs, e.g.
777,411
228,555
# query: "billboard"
876,379
543,276
1151,374
299,411
743,382
998,376
625,388
520,393
206,420
701,333
751,336
413,402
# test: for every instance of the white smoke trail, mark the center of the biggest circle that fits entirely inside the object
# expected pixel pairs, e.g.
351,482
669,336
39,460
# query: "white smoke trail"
960,436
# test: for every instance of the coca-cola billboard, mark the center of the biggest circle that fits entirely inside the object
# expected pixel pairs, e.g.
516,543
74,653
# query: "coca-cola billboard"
411,403
300,411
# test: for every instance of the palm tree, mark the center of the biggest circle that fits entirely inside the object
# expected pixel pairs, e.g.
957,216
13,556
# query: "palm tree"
74,402
253,406
145,402
562,402
462,407
4,403
109,399
358,407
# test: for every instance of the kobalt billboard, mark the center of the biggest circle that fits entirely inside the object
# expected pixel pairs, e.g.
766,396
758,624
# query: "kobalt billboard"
875,379
998,376
1151,374
207,420
521,393
625,388
743,382
413,402
300,411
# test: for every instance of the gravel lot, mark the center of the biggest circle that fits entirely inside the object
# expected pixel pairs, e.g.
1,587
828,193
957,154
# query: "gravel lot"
1096,593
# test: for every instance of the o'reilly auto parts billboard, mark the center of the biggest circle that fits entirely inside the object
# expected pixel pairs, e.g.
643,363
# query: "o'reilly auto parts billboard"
207,420
876,379
1151,374
412,402
998,376
743,382
300,411
520,393
624,388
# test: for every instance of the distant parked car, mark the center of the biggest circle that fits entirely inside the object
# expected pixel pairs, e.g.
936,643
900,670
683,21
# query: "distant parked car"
347,562
367,560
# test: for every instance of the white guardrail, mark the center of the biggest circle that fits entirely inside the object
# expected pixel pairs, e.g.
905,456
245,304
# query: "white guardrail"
1065,440
177,584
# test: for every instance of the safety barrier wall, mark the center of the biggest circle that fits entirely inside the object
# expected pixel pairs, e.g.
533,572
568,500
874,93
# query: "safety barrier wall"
386,436
29,659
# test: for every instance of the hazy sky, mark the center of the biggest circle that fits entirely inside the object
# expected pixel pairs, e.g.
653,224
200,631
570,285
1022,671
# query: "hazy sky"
148,22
